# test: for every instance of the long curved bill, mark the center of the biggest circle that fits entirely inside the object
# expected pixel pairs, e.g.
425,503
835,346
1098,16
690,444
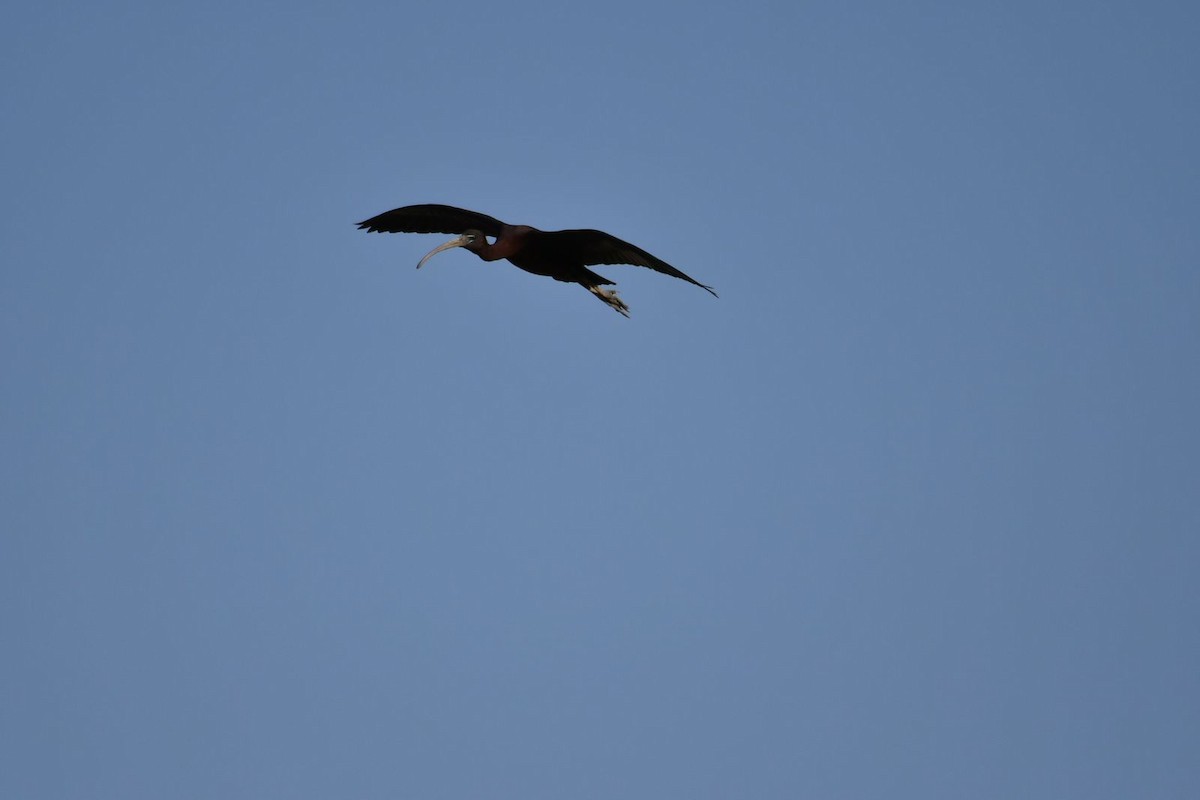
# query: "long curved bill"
457,241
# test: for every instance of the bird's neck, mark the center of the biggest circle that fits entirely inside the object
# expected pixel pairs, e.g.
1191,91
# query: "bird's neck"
510,241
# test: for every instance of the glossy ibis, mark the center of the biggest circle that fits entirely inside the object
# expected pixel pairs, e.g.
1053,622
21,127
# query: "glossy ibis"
562,255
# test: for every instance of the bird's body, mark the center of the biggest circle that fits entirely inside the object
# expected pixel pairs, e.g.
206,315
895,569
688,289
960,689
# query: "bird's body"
562,255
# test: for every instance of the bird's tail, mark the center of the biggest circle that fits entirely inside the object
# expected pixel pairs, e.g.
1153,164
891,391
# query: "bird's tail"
609,296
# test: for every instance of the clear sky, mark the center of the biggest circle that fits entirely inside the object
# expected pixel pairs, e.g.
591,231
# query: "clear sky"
911,511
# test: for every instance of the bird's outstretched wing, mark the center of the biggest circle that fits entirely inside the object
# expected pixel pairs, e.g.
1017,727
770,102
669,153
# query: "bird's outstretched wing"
432,218
598,247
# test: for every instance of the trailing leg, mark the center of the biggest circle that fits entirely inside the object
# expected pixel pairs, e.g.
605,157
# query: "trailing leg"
609,296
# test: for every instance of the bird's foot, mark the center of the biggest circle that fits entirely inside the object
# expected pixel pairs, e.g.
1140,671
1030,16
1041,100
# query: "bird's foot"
609,296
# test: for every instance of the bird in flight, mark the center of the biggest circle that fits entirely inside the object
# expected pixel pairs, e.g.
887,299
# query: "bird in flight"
562,255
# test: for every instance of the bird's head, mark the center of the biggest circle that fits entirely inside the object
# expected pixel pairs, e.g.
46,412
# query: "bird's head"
471,239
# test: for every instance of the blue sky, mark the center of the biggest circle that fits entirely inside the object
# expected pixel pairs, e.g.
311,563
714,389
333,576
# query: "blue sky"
910,511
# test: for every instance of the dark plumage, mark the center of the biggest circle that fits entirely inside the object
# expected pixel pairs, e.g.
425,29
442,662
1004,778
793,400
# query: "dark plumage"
562,255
